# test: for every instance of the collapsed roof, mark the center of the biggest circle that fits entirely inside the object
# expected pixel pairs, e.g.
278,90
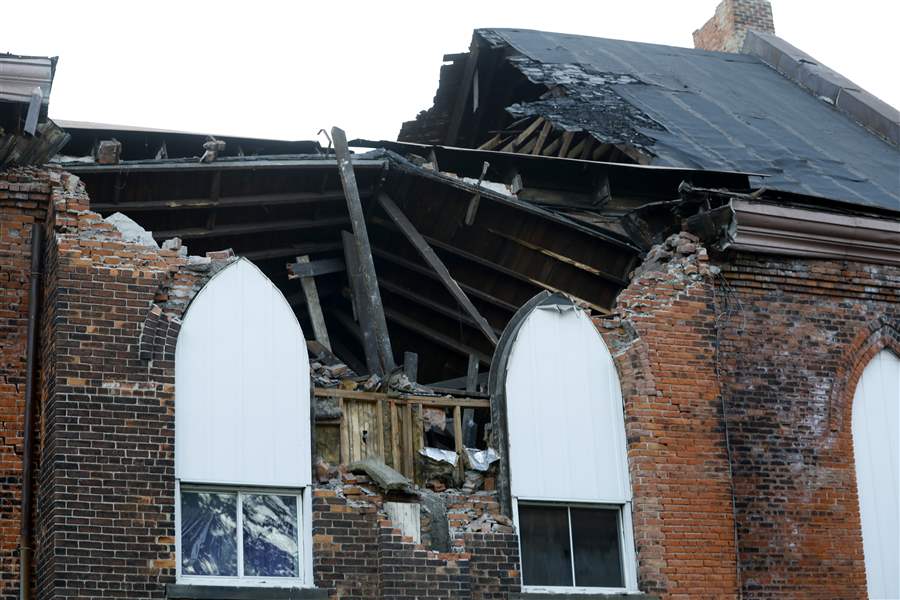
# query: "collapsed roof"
590,152
505,226
568,95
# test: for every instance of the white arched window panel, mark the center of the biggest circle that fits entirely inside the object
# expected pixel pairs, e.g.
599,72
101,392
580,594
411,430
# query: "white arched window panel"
242,385
566,429
876,423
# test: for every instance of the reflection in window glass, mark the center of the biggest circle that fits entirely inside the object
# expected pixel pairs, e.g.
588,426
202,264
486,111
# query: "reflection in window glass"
208,533
595,539
544,536
270,535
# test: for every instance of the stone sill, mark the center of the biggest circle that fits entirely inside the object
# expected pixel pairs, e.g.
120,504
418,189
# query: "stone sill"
228,592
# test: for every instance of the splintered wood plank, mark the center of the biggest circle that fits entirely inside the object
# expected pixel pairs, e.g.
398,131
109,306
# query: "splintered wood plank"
368,279
542,138
427,253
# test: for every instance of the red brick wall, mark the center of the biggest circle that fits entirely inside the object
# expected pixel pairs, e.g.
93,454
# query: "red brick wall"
24,196
799,336
781,342
726,30
664,343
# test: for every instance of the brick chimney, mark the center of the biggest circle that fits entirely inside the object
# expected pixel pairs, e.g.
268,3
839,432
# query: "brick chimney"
726,30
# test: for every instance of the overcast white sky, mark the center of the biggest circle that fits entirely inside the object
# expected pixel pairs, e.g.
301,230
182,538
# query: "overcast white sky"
285,69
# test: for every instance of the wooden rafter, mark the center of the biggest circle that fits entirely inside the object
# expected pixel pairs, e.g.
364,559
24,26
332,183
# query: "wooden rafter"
422,247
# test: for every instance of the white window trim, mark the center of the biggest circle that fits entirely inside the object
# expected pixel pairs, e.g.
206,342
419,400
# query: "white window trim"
304,542
626,546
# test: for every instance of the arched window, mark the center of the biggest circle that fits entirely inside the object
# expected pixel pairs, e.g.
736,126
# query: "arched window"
242,436
565,433
876,447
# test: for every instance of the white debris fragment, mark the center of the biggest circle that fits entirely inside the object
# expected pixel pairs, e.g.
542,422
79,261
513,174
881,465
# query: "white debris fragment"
131,231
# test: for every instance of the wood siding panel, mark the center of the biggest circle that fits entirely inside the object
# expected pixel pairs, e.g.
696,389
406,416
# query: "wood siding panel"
565,415
876,423
242,385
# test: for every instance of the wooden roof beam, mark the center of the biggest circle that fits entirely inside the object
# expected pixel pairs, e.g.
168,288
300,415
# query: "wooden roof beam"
418,241
189,233
226,201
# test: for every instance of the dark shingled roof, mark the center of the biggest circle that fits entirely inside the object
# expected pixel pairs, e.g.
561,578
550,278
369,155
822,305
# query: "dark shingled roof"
706,110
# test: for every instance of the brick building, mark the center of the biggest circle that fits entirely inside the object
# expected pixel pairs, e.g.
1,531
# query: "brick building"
599,323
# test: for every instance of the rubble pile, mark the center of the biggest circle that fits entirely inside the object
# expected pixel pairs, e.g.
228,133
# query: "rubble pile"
681,252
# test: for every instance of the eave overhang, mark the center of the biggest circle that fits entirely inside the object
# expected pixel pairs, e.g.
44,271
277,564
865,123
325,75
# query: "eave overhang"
769,229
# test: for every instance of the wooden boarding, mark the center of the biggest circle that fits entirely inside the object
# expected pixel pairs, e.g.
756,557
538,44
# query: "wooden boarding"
396,438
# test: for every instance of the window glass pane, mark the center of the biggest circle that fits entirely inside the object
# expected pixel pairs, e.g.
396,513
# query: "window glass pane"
544,535
270,536
208,533
595,539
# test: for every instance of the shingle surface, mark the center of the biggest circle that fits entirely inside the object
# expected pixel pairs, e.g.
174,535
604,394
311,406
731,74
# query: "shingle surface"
712,110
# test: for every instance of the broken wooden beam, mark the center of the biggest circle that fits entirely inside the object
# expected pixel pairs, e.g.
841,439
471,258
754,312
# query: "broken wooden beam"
361,307
303,268
428,254
368,281
308,283
385,477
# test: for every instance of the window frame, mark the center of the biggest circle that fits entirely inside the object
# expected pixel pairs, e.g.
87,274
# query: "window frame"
626,545
304,571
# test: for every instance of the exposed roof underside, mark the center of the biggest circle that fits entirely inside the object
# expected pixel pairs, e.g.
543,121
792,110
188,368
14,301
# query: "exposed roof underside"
574,226
675,106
